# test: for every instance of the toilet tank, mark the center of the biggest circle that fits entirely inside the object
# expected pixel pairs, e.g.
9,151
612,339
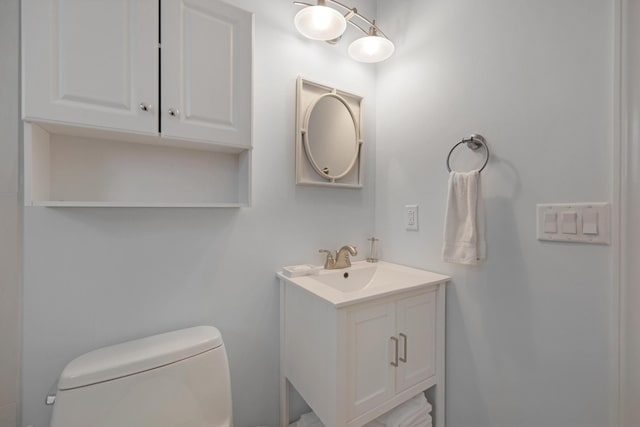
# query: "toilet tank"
174,379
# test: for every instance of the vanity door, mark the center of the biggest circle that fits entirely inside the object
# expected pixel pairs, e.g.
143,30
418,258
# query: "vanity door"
416,331
371,349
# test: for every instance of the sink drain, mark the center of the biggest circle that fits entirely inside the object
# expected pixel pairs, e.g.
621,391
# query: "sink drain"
345,275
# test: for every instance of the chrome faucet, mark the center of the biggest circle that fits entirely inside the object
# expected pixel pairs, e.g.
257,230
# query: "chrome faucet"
341,260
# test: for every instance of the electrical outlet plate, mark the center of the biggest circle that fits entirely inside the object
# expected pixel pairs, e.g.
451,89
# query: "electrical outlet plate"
411,217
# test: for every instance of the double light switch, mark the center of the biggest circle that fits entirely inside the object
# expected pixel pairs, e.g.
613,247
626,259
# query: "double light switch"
579,222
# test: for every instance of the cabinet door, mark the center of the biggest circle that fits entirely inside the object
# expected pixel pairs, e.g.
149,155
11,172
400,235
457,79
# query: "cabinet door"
416,327
206,71
91,63
370,351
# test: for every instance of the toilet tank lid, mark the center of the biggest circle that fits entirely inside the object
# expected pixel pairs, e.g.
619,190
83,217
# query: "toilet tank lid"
116,361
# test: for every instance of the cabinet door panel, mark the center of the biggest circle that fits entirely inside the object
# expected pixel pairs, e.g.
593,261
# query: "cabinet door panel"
370,374
91,63
416,321
206,71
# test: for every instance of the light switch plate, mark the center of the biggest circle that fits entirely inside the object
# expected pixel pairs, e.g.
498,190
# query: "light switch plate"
591,222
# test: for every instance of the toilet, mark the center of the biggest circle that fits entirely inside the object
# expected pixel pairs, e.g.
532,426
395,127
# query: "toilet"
179,378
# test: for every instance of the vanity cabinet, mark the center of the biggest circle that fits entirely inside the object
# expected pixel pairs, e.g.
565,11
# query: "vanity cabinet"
354,361
101,78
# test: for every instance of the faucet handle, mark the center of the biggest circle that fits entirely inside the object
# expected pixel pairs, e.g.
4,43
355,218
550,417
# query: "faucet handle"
328,263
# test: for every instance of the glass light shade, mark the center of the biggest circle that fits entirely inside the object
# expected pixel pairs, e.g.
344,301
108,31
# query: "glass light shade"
371,49
320,23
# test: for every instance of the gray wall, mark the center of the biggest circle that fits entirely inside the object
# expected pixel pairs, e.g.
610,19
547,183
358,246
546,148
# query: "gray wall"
528,331
9,214
95,277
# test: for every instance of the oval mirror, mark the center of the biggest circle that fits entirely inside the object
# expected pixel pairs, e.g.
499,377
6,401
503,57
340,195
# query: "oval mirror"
331,136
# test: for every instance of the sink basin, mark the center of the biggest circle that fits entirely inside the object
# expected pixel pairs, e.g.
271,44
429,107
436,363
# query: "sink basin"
363,281
354,278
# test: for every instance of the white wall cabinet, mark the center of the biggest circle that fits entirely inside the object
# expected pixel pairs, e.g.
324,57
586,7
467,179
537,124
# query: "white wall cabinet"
102,78
352,364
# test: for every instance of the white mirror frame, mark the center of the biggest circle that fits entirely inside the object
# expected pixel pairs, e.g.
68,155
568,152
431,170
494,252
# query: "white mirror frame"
308,94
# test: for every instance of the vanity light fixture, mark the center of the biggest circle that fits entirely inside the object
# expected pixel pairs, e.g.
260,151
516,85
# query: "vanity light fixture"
321,22
371,48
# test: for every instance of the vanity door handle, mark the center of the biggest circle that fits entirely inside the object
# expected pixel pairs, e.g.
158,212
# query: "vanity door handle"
405,340
145,107
395,342
174,112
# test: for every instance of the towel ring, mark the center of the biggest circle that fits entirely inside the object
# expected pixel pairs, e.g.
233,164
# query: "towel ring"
474,142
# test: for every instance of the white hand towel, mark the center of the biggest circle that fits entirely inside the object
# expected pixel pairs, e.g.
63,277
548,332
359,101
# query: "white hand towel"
464,226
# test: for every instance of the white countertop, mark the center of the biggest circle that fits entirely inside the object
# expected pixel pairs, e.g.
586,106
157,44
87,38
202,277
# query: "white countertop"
376,279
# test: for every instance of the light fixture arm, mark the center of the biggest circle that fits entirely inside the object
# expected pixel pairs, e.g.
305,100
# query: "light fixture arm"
351,12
